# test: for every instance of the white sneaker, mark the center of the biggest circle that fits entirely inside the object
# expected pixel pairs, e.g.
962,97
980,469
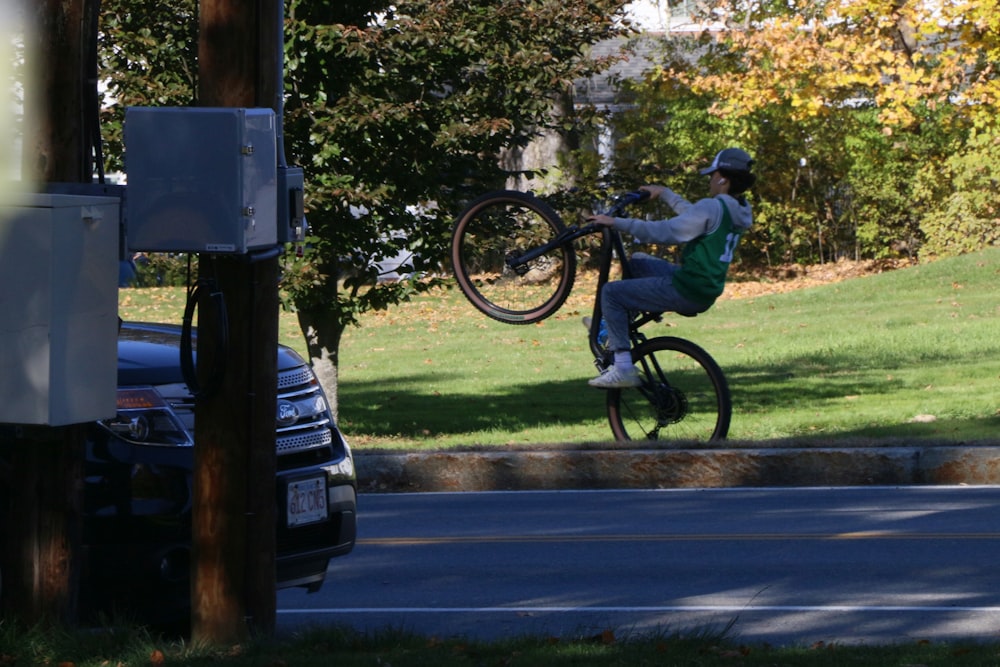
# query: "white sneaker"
615,378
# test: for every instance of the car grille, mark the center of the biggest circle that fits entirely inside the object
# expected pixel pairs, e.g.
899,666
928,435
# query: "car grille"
308,436
295,378
310,440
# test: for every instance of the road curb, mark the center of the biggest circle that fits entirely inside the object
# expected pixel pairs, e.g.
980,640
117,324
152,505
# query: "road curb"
636,468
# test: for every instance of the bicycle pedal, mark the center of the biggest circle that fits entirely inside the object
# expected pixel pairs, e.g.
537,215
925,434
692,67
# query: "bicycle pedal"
606,359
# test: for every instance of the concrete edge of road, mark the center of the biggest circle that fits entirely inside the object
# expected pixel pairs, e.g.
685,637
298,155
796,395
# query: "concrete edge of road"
594,467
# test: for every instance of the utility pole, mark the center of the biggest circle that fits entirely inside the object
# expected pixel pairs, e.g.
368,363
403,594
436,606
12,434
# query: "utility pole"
40,559
234,514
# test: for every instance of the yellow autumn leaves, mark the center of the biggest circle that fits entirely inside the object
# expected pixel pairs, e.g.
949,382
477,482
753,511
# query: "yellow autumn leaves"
896,54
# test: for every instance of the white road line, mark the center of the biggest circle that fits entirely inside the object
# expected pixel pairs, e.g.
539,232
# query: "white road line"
679,608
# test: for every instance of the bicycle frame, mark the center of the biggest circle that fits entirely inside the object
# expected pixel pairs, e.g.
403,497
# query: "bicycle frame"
611,245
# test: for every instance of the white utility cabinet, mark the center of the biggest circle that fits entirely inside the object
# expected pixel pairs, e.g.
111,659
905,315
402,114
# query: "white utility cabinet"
58,309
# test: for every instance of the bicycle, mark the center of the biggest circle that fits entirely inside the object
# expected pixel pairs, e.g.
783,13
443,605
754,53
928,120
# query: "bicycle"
514,259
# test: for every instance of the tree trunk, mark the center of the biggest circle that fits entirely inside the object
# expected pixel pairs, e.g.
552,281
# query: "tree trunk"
323,332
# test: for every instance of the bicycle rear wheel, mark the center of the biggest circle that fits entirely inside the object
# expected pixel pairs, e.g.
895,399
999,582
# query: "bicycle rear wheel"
492,230
684,395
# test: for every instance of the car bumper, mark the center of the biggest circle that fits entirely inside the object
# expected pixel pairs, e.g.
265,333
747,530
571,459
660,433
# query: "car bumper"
297,564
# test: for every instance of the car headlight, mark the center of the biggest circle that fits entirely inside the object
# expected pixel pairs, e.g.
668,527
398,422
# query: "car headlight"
144,418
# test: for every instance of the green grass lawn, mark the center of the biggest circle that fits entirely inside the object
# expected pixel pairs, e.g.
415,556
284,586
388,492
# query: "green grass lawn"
911,353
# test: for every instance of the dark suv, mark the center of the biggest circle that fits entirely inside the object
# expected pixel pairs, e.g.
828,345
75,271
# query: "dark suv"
137,498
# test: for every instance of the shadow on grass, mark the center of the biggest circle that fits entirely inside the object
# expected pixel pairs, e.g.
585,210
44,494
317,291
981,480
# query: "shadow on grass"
408,406
403,406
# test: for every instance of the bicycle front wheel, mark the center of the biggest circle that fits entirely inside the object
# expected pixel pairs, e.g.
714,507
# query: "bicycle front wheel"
489,236
684,395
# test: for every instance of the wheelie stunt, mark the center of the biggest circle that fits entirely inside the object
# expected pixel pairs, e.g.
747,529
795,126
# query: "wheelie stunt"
515,261
709,230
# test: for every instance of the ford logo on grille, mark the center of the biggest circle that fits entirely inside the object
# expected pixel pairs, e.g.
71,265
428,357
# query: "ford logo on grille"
288,413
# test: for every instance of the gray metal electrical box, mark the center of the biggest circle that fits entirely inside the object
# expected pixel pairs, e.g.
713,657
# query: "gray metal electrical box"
201,179
291,205
58,309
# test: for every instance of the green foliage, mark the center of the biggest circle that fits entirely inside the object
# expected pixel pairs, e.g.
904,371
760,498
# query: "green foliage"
668,133
968,215
148,57
872,131
398,121
158,269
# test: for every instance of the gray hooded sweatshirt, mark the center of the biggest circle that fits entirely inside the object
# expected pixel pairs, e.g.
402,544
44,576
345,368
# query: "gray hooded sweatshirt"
711,228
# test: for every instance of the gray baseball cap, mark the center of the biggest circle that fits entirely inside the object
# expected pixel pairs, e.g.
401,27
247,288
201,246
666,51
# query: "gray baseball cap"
730,159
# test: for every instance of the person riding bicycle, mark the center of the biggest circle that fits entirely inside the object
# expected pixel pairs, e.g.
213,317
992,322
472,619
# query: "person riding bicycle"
710,229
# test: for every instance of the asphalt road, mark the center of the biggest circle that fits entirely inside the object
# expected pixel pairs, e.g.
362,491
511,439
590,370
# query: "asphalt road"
851,565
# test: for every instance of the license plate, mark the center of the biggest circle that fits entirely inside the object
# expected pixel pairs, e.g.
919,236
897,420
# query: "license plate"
307,501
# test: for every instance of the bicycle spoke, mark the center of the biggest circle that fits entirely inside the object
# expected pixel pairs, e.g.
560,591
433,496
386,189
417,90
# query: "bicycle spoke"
683,397
490,237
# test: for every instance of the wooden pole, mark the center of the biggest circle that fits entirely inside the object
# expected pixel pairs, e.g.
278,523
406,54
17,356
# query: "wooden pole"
41,521
233,583
42,531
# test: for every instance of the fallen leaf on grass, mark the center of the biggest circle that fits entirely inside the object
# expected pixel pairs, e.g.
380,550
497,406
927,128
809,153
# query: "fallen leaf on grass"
923,419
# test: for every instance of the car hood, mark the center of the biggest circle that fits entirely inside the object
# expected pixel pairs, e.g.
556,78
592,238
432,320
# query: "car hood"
149,353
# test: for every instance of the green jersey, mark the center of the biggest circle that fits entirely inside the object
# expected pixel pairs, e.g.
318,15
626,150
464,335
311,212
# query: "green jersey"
706,259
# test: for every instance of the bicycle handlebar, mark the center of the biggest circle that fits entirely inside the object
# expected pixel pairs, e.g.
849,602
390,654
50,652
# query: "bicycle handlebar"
626,200
573,232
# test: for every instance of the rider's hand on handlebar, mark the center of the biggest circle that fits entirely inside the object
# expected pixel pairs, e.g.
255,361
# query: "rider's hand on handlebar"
655,191
605,220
